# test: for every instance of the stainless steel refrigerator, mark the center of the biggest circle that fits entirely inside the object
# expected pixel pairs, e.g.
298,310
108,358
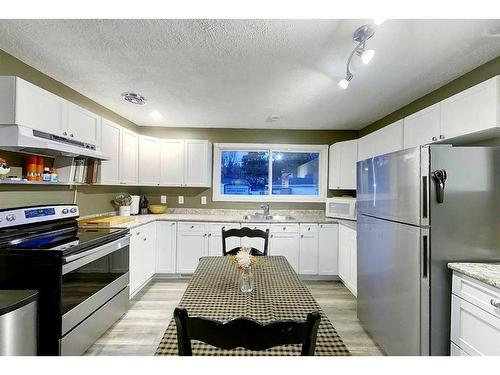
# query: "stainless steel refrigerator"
418,210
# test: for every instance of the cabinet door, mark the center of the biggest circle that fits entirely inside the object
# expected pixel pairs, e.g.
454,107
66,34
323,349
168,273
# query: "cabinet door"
39,109
172,162
257,243
198,163
328,244
472,110
148,235
353,273
83,125
422,127
149,161
191,246
308,249
109,172
334,167
166,246
285,241
136,265
385,140
129,157
215,238
348,159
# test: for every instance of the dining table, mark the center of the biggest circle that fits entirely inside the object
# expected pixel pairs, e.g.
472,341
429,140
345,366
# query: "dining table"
278,294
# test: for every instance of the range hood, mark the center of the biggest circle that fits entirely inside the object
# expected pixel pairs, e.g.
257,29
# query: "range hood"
22,139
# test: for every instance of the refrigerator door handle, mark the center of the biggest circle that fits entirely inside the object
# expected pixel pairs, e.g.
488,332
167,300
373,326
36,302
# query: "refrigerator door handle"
425,256
425,196
424,295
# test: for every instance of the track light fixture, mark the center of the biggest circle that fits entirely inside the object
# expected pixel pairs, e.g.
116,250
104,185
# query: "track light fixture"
360,36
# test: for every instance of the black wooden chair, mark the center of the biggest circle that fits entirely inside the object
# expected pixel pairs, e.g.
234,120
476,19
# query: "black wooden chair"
245,333
245,232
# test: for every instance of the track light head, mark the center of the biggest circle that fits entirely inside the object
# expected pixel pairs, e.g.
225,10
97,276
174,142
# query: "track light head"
344,83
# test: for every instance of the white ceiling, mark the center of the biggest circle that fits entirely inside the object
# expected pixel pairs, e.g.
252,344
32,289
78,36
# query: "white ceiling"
236,73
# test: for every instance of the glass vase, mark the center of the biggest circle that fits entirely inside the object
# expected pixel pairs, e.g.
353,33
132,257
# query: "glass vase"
246,280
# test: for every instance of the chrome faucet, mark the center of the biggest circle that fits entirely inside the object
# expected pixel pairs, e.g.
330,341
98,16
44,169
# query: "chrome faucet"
265,207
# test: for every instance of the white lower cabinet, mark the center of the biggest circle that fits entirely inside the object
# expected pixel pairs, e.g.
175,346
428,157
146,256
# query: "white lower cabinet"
348,258
191,245
166,247
475,321
285,241
308,249
328,249
142,255
215,238
257,242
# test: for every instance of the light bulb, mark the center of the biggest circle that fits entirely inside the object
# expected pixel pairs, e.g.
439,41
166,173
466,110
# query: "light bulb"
378,21
344,83
156,115
367,55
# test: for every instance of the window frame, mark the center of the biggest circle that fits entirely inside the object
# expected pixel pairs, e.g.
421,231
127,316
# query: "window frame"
322,170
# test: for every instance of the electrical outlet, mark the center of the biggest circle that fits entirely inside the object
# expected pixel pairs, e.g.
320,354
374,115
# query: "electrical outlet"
163,199
180,199
203,200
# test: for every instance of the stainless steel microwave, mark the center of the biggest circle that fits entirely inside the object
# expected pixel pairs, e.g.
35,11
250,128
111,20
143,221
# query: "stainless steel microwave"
341,207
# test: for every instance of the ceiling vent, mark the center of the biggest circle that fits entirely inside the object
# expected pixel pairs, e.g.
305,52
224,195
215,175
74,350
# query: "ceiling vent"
134,98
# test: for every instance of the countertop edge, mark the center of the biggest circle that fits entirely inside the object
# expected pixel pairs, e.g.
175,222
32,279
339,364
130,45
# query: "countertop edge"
487,273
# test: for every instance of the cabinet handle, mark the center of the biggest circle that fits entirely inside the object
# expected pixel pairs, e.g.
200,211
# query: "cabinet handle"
272,235
192,226
64,133
172,224
204,235
441,136
144,239
71,135
284,228
138,233
321,226
301,236
495,303
210,235
309,228
434,139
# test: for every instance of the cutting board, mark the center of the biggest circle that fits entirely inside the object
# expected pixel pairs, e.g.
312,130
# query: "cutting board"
104,221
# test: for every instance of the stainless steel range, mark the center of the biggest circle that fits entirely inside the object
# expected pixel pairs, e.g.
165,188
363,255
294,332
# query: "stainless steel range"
82,275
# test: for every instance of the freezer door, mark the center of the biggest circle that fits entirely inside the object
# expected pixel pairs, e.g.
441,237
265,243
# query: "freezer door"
465,226
394,186
391,277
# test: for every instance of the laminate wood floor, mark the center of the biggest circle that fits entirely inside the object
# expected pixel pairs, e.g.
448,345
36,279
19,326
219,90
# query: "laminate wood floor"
140,330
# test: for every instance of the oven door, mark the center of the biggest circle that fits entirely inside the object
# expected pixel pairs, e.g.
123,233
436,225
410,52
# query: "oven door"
92,278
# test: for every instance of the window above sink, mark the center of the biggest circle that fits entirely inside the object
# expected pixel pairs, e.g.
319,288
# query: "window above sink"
269,173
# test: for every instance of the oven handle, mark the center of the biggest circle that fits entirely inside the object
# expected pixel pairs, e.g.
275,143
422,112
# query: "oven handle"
75,261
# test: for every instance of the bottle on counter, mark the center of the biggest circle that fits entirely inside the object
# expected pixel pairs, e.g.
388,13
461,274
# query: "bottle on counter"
30,167
46,174
39,168
54,176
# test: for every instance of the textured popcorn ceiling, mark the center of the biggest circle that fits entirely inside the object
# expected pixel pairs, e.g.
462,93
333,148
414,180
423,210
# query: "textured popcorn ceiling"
236,73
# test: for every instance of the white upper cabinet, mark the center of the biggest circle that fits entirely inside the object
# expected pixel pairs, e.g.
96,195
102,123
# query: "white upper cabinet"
423,127
383,141
109,171
473,110
172,162
83,125
28,105
342,165
149,161
198,163
129,157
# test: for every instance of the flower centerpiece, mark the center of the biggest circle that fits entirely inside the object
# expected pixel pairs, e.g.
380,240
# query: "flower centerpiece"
244,262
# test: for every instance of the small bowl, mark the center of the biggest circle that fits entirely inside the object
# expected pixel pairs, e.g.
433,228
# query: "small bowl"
157,208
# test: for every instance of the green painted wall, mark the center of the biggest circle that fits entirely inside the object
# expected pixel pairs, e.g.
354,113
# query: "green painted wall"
478,75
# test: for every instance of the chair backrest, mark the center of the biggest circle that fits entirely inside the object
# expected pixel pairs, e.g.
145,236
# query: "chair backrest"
245,232
245,333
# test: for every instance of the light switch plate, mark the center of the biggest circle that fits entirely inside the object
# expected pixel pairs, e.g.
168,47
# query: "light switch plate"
203,200
163,199
180,199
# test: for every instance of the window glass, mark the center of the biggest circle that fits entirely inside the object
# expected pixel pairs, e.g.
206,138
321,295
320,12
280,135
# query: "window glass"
295,173
244,173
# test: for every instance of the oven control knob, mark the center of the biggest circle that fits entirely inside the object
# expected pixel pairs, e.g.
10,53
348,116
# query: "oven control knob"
65,211
73,210
10,217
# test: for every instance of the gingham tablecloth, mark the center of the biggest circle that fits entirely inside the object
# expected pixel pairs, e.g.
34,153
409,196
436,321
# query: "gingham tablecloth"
214,292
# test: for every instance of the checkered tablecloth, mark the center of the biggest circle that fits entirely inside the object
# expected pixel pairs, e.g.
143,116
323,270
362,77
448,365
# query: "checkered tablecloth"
214,292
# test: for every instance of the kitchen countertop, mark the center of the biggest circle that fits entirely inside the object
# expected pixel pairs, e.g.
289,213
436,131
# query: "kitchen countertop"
235,216
488,273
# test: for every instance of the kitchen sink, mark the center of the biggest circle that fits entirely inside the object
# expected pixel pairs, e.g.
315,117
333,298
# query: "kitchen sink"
257,216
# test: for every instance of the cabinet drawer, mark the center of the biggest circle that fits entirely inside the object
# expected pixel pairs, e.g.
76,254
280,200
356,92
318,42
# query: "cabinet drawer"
255,226
308,228
477,293
216,229
192,227
284,228
474,330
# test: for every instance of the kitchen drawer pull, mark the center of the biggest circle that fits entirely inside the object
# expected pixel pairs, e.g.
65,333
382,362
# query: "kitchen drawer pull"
210,235
301,236
138,233
495,303
192,226
441,136
144,239
434,139
309,228
64,133
284,228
